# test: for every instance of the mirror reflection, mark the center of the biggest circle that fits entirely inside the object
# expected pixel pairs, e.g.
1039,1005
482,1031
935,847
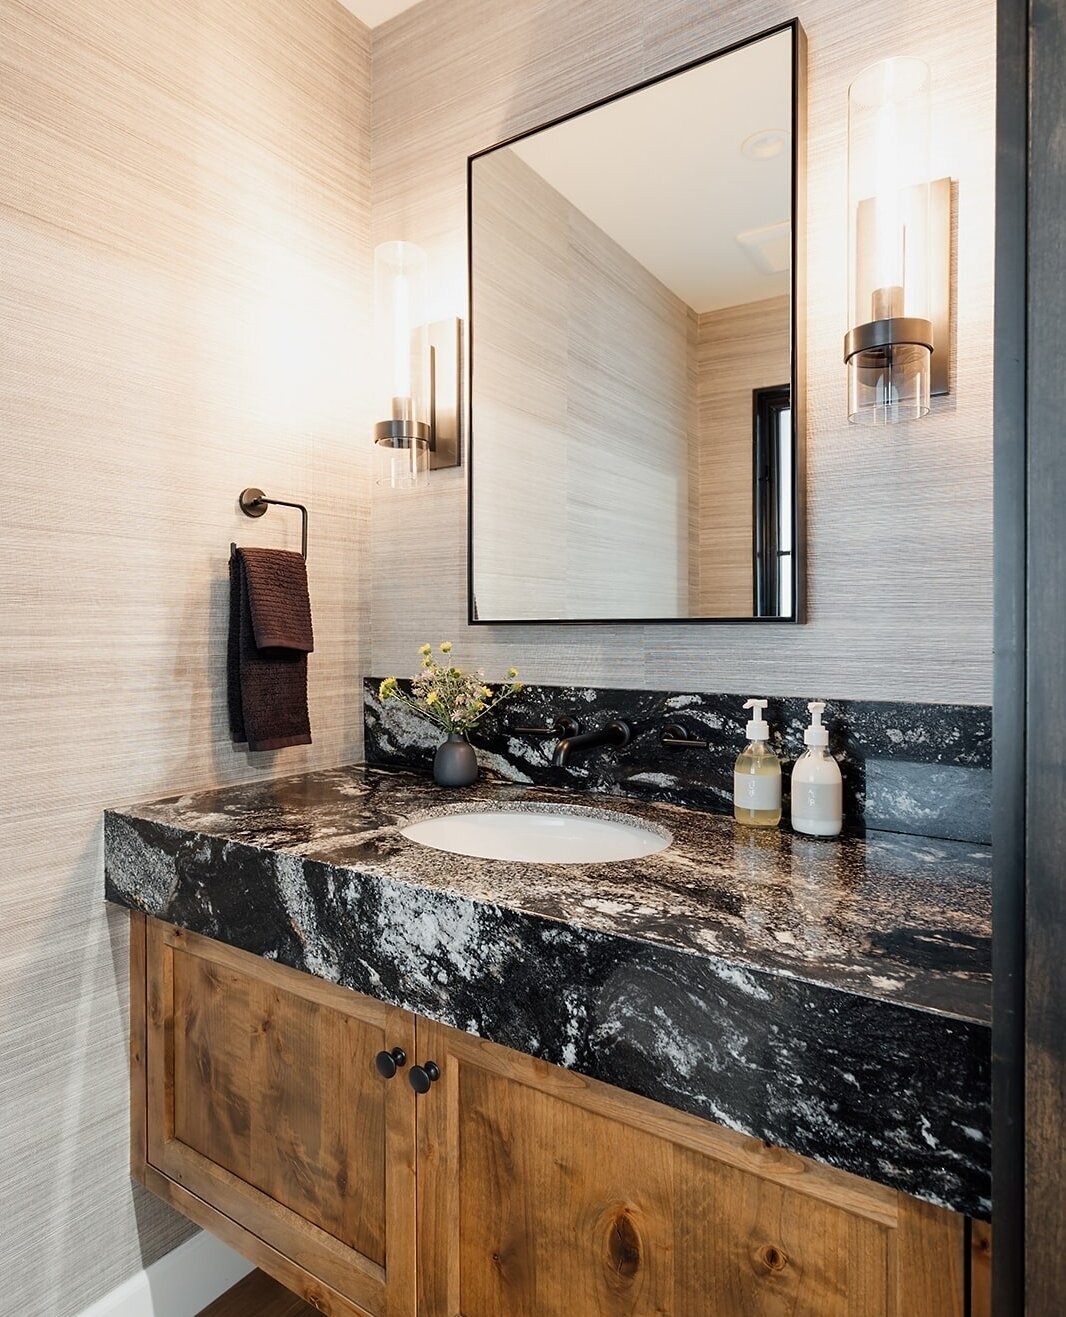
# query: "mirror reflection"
633,452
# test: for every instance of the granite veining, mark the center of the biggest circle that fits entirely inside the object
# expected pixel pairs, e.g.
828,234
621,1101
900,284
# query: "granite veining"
830,997
912,768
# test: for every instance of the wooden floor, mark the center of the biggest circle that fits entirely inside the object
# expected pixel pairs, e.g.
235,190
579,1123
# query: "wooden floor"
259,1296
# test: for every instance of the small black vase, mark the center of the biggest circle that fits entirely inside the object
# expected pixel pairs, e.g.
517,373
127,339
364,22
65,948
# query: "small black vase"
455,764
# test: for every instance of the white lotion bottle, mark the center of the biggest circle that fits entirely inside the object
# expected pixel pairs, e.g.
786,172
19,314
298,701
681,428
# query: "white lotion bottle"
757,775
817,791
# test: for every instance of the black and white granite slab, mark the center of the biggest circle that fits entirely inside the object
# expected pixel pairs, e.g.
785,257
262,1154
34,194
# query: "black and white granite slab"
832,998
923,769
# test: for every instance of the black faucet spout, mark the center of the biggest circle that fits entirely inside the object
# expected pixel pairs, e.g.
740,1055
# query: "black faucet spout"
615,733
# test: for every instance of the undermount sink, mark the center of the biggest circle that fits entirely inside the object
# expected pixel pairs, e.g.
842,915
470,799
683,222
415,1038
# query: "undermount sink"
542,835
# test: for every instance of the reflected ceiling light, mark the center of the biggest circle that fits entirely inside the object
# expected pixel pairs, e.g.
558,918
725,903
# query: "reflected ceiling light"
418,373
765,144
770,247
899,248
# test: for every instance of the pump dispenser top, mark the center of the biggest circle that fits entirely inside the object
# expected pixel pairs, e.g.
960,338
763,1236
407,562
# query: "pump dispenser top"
758,728
816,734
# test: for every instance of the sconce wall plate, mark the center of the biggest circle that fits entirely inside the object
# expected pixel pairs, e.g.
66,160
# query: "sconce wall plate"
446,394
940,283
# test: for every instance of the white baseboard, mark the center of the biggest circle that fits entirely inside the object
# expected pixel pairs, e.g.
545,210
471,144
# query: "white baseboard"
180,1284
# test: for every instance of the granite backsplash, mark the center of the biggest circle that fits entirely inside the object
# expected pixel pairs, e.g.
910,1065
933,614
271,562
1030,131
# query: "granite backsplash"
924,769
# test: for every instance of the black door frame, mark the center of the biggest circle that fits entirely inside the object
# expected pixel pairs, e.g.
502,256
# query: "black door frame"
1008,745
1029,829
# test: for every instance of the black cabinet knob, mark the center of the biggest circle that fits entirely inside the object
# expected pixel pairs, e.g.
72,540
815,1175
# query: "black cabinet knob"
387,1063
422,1076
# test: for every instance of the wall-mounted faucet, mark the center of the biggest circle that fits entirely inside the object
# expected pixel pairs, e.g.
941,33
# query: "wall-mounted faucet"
615,733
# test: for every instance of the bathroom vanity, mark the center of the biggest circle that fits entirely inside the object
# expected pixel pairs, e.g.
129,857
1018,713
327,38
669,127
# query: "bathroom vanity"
746,1074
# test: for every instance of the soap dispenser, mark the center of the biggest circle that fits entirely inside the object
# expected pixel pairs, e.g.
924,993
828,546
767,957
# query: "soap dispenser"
757,775
817,791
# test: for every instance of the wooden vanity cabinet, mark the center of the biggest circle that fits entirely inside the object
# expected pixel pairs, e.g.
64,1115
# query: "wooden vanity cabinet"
539,1193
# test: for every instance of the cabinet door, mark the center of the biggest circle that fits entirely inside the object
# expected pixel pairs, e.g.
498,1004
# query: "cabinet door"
544,1194
264,1101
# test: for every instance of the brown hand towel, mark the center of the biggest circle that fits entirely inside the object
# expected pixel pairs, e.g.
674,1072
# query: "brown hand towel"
270,637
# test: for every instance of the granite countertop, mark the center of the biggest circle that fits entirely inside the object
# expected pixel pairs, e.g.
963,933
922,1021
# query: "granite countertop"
829,996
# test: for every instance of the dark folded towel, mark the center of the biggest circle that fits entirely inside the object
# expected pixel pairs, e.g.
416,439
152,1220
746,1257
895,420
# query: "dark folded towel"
270,637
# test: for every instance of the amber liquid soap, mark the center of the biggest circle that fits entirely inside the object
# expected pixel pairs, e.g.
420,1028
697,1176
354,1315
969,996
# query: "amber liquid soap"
757,776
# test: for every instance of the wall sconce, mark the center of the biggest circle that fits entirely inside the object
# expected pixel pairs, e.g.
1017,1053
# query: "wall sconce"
899,347
418,373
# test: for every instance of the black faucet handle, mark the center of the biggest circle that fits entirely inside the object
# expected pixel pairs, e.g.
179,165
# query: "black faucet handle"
675,737
618,732
562,726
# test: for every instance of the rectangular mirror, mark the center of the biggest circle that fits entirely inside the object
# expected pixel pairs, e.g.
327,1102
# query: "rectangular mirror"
636,416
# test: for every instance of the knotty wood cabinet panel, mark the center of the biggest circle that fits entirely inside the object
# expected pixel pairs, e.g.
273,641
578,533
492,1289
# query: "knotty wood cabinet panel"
264,1102
250,1061
543,1194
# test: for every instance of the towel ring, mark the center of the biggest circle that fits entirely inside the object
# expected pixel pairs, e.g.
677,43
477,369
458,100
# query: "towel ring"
254,503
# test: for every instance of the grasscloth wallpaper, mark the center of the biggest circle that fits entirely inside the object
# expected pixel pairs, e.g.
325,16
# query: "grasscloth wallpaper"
184,238
900,524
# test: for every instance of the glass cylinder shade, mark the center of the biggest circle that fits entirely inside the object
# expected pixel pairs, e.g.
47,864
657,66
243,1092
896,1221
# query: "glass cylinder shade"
889,345
401,334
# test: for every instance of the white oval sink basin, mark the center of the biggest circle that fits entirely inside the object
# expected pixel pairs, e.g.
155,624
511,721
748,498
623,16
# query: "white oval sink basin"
539,836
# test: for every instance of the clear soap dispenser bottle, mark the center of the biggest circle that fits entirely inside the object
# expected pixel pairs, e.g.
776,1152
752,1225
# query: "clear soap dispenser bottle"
757,775
817,792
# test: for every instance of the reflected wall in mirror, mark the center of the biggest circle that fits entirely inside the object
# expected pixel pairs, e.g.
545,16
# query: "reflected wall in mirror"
636,424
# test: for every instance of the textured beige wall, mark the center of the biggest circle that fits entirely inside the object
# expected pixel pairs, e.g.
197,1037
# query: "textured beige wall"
583,397
738,349
900,524
184,217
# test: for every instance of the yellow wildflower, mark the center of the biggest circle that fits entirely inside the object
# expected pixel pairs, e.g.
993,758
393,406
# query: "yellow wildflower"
512,673
424,649
445,646
432,697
